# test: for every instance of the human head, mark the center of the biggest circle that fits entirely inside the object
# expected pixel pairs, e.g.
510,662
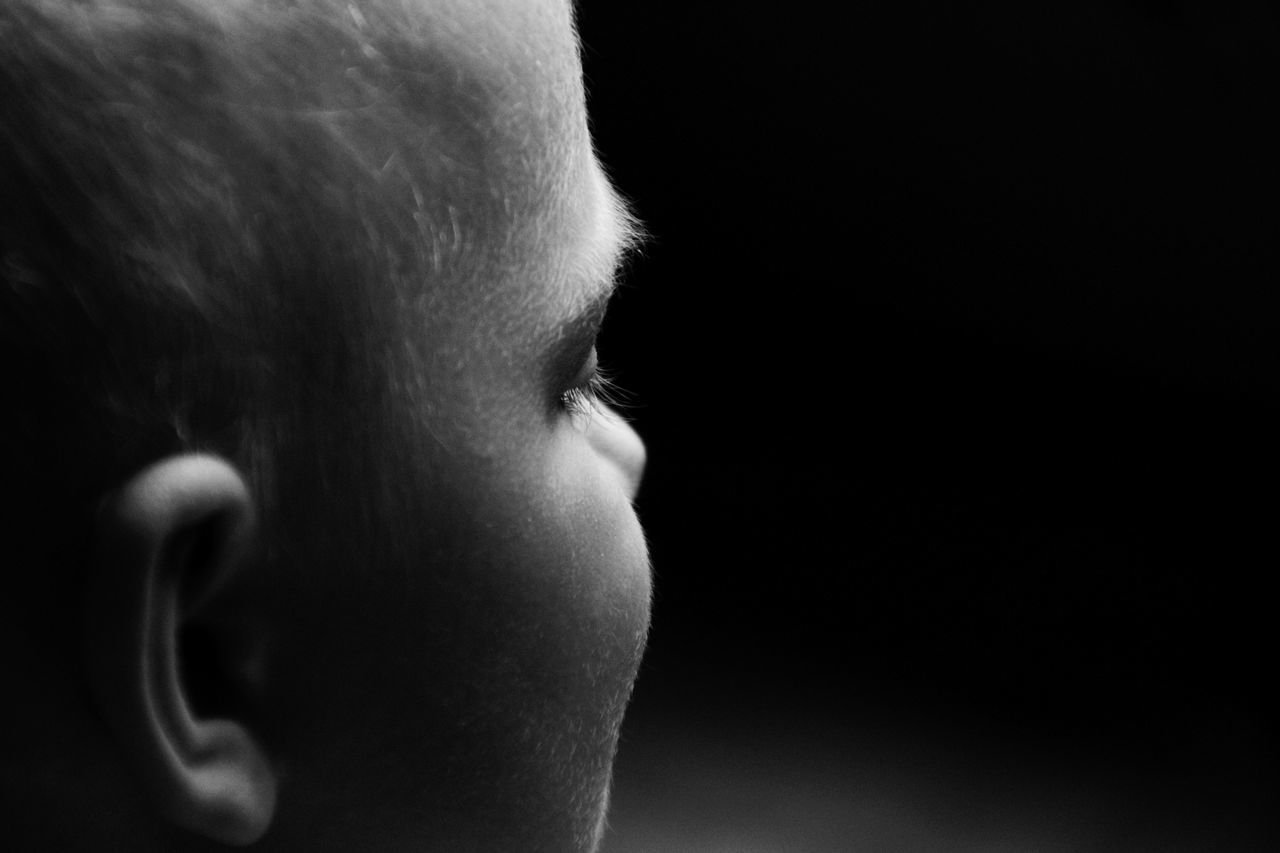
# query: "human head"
289,300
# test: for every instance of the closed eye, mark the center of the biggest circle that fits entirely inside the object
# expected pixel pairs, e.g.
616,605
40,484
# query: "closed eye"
593,393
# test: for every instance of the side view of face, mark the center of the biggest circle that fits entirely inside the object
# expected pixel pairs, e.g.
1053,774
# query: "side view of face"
416,626
512,606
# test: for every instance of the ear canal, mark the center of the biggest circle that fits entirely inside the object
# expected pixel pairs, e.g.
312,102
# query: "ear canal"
168,540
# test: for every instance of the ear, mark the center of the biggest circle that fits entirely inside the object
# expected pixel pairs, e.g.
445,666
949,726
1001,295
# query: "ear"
170,541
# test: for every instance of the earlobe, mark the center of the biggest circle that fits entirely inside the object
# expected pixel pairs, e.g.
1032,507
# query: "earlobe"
168,542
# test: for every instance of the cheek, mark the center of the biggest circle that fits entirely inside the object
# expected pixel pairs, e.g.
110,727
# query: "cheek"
480,661
572,586
581,574
601,537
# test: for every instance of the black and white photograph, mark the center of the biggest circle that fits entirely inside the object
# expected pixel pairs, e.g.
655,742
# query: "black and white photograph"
562,426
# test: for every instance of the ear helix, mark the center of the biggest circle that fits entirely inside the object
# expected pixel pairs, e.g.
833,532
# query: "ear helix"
168,539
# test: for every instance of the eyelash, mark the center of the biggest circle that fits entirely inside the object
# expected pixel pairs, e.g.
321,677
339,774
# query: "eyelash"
590,397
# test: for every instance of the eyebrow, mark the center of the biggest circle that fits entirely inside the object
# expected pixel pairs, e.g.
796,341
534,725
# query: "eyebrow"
617,237
595,272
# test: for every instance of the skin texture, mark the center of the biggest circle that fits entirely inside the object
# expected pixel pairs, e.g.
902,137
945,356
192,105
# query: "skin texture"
436,628
487,650
511,596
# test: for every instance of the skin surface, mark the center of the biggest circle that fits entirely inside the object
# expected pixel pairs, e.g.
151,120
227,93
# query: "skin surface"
487,652
436,635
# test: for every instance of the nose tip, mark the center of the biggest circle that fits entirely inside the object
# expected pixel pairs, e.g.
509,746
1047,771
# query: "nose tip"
618,442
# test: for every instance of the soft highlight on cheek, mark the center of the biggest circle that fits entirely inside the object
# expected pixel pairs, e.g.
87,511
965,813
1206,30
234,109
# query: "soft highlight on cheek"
609,545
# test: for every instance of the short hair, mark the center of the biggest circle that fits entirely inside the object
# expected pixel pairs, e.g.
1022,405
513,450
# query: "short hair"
199,200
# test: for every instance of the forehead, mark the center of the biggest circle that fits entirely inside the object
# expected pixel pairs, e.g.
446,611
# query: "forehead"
499,154
542,217
518,62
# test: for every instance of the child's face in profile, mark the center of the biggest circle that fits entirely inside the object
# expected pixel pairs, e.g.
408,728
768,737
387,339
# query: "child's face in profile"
364,572
468,690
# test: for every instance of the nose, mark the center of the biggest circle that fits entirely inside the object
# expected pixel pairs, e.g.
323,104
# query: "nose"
614,439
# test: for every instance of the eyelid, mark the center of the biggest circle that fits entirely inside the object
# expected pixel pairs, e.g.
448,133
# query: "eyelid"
594,396
580,396
573,357
590,367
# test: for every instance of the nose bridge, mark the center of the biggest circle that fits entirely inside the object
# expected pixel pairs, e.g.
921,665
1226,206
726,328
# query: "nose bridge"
620,444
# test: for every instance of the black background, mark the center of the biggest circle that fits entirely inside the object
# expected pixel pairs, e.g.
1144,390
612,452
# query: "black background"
956,354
